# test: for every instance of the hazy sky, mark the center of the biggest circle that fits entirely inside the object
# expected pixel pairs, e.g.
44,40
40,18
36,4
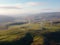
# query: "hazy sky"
17,7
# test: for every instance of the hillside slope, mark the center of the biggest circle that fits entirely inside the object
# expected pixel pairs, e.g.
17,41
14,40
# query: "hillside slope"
5,19
45,16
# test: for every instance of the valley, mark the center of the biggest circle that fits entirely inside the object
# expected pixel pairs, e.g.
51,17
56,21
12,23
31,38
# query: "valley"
37,26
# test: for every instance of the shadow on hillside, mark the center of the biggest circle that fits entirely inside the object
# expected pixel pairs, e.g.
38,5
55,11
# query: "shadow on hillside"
52,38
26,40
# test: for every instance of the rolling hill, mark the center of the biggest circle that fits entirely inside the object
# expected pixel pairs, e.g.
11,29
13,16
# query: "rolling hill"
5,19
13,34
33,18
51,16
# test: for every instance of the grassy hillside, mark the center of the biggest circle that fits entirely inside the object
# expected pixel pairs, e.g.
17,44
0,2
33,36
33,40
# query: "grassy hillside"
16,32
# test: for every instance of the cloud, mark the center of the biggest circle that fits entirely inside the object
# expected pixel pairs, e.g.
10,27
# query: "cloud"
33,3
23,8
25,11
19,8
18,11
19,5
14,6
10,7
51,10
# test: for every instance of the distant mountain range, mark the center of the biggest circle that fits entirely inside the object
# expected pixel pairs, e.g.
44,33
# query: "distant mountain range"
36,17
51,16
5,19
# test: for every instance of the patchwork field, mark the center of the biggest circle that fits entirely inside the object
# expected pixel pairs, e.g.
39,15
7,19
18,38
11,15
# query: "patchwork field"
16,32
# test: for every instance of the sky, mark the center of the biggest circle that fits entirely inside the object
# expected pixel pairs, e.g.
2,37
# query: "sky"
19,7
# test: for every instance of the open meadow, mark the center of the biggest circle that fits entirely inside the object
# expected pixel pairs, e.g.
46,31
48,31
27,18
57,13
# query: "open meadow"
16,32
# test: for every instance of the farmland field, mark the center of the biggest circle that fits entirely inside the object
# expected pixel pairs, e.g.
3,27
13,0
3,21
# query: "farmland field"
16,32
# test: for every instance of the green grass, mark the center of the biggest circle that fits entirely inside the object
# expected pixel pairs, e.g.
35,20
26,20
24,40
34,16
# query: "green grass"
13,32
